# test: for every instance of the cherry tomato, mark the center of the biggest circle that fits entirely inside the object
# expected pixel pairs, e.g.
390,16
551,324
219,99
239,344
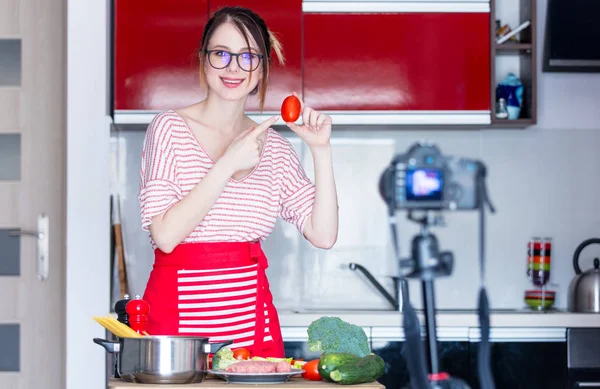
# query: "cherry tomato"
241,353
311,370
290,109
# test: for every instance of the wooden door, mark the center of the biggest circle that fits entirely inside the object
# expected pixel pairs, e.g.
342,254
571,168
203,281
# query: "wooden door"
32,193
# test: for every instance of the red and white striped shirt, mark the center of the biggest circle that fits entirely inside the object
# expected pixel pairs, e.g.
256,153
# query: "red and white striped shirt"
173,162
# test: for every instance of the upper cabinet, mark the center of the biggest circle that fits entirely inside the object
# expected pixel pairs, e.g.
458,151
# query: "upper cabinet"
156,59
284,19
389,62
155,53
398,60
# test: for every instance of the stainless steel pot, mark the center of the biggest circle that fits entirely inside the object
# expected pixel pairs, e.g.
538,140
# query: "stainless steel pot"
584,289
162,359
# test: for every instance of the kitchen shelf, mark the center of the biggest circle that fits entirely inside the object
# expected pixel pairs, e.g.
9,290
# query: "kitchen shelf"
518,123
525,52
503,47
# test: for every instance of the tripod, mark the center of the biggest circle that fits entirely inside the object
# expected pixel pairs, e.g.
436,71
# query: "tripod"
427,263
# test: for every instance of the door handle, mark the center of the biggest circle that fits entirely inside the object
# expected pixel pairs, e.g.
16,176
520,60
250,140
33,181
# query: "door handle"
43,244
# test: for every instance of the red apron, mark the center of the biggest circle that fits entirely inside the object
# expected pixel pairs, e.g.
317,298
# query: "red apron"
216,290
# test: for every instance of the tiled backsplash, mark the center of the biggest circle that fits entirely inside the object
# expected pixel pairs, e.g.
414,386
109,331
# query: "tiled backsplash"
541,182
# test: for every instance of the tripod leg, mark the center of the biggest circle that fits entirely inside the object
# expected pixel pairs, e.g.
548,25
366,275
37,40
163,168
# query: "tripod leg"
430,325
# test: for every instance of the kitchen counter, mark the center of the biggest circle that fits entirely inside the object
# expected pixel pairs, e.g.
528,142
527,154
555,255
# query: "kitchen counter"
448,318
215,383
452,325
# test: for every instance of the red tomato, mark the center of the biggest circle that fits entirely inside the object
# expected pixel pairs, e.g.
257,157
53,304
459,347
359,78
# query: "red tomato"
311,370
241,353
290,109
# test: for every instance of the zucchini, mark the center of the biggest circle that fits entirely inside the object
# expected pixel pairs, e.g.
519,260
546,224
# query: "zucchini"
368,369
330,361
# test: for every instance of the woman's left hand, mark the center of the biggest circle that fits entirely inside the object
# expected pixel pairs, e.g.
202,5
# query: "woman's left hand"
315,130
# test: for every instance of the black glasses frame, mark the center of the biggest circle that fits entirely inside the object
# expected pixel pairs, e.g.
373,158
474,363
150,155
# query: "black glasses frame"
237,57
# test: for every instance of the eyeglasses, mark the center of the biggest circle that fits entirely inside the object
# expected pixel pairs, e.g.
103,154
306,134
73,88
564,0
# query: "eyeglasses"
220,59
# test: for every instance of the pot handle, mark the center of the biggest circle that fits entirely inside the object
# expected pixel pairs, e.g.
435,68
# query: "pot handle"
578,251
111,347
211,348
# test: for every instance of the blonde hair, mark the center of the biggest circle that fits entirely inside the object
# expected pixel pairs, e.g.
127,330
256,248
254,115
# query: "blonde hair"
248,23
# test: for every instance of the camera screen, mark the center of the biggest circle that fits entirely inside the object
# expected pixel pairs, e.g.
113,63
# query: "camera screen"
424,184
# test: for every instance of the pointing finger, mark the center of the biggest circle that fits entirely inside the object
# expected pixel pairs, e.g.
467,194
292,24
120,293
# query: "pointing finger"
264,125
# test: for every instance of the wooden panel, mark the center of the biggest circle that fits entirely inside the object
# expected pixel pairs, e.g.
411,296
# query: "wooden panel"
156,66
9,204
10,105
285,19
9,310
427,61
9,18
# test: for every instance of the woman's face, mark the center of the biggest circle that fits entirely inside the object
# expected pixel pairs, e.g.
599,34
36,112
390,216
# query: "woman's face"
224,75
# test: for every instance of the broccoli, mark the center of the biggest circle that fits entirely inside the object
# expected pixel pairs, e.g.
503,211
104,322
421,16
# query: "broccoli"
332,334
223,359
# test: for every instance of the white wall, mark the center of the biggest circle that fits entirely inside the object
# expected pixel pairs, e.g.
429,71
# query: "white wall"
87,192
567,101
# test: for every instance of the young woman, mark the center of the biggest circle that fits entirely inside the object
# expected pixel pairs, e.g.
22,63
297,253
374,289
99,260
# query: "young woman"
213,183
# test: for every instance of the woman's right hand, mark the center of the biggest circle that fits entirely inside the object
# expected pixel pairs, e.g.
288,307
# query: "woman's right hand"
245,150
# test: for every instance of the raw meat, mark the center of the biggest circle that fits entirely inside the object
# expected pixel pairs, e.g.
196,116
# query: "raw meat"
283,367
259,367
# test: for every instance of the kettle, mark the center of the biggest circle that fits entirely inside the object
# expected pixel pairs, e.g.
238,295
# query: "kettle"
584,289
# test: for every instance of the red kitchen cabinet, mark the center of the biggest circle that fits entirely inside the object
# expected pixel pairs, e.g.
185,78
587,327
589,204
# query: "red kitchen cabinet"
397,61
155,61
284,18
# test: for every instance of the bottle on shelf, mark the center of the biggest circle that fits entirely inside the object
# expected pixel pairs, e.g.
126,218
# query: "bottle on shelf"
501,111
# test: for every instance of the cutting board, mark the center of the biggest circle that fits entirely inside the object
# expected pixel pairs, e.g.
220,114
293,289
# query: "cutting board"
215,383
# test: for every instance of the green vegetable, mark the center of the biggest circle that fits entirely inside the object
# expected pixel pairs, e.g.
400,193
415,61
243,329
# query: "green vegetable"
223,359
299,364
273,359
332,334
331,361
368,369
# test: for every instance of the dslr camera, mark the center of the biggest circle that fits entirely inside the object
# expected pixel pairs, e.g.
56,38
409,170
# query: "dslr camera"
424,179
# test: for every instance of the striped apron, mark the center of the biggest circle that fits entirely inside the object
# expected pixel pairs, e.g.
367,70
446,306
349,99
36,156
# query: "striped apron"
215,290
